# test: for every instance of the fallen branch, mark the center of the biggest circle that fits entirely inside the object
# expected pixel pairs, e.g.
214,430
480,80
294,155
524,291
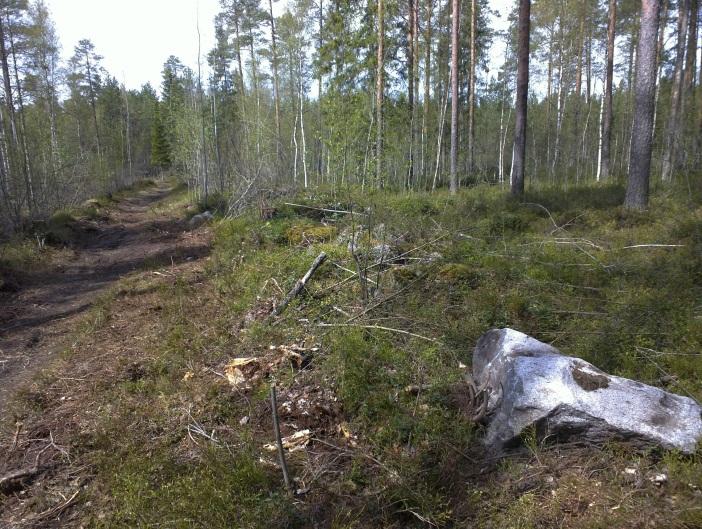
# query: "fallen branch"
381,328
299,286
8,481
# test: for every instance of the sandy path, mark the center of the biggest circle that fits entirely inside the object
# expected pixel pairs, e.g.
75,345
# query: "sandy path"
36,322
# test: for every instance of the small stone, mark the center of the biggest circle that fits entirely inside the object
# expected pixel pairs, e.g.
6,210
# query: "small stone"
244,420
199,220
659,479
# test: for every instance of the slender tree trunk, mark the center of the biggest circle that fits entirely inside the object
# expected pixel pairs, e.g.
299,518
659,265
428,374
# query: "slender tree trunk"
471,86
276,86
302,122
560,108
239,60
242,89
598,176
688,106
13,148
638,186
659,59
549,90
410,87
93,105
129,133
519,156
320,117
455,31
202,118
575,156
23,148
673,136
588,65
504,125
379,93
215,133
415,75
632,58
427,85
440,137
603,172
257,94
691,60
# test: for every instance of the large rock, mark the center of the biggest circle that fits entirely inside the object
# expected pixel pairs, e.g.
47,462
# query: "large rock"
530,383
199,220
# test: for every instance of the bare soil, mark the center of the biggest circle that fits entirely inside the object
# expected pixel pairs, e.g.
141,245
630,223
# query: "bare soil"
36,321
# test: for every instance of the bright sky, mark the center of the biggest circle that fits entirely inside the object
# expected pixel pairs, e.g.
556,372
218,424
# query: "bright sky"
135,37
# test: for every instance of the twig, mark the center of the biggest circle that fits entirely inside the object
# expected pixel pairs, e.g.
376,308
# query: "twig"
666,373
385,299
394,259
556,226
58,509
653,246
278,439
298,286
16,437
380,328
350,271
319,209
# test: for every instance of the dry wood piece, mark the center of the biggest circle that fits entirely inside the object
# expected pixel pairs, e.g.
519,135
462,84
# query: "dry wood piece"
299,286
8,482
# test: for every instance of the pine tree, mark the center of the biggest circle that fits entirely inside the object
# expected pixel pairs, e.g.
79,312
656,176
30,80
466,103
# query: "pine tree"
160,150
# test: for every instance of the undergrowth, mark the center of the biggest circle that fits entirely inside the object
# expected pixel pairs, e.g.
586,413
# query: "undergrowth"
173,444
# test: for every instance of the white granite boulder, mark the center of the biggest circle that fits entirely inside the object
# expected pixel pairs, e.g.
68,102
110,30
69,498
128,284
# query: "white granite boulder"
531,384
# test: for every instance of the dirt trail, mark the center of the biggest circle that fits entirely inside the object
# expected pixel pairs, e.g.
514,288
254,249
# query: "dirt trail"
36,322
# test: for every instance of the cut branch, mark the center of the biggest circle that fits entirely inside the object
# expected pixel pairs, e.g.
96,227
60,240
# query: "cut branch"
381,328
278,439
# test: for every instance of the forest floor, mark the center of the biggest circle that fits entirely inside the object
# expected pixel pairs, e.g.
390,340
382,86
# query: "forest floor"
139,361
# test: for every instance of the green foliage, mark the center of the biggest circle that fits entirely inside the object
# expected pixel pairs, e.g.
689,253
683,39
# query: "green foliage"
160,149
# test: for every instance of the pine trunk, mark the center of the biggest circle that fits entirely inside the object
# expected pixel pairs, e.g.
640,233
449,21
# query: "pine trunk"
379,93
519,152
411,87
604,169
673,136
640,158
471,87
455,27
276,86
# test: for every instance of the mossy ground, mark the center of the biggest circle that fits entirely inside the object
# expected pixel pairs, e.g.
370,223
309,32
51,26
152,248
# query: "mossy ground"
169,442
